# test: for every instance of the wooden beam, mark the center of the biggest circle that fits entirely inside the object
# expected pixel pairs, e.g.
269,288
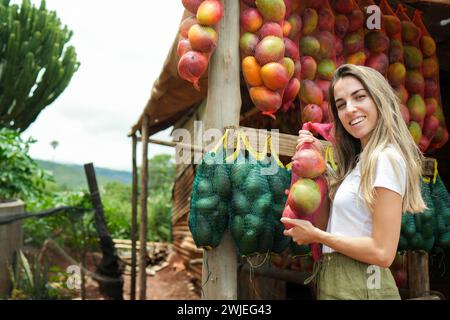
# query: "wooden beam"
134,199
223,109
143,218
436,2
418,274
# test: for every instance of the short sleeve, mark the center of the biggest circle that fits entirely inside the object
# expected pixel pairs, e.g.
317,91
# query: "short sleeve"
391,171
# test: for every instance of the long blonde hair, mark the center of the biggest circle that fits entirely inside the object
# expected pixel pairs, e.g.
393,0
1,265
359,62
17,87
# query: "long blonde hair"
390,129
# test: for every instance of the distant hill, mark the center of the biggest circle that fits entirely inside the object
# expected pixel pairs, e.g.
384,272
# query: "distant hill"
72,176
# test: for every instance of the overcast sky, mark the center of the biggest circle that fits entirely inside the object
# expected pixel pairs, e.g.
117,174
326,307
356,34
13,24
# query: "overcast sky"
121,46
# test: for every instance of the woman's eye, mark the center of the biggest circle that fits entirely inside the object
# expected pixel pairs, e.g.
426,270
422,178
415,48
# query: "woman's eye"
360,97
341,106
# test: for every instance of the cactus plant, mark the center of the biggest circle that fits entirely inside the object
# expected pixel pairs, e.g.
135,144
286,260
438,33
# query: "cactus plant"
36,65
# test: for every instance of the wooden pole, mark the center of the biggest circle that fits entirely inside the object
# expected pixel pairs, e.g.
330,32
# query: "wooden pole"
418,274
134,196
143,226
223,109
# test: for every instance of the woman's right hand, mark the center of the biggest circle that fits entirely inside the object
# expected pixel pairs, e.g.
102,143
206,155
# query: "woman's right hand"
305,136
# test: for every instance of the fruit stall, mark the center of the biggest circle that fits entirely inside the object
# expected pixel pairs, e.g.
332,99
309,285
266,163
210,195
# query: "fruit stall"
247,68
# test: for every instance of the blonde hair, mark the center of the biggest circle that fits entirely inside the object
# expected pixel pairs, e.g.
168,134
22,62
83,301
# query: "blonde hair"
390,129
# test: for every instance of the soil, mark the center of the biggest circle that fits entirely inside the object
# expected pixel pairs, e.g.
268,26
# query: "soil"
170,283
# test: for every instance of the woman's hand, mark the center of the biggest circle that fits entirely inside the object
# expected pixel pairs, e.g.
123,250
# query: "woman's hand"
304,136
303,231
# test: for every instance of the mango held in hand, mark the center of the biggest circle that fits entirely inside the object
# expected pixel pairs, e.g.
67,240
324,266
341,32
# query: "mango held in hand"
304,197
308,163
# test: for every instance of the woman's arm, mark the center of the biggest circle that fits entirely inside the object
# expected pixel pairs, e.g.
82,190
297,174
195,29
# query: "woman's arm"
379,249
324,214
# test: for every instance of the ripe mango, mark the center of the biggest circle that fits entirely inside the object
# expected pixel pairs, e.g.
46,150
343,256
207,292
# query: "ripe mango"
377,41
270,49
326,69
396,74
309,68
428,46
272,10
310,21
413,57
310,93
414,82
309,46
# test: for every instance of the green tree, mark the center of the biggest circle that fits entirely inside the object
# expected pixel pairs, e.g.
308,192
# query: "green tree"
36,65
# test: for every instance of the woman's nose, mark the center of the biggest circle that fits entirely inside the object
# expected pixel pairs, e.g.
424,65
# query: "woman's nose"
350,107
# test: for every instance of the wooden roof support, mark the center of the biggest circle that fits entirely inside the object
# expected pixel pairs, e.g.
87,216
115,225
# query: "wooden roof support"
134,199
143,217
418,274
223,109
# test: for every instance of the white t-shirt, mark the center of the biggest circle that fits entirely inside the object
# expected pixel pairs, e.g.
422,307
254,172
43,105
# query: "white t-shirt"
349,215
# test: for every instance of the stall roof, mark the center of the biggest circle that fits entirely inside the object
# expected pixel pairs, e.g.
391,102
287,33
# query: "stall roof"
172,97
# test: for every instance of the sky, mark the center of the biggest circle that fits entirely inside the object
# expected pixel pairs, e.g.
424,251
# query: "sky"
122,46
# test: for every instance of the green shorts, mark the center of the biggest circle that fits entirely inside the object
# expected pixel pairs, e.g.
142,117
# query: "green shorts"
342,278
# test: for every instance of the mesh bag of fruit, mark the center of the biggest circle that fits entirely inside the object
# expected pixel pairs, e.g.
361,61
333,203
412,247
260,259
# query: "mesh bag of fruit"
256,201
441,199
211,192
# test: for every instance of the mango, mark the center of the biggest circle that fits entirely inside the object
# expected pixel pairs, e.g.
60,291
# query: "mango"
304,197
415,131
414,82
416,107
430,126
377,41
248,43
265,100
326,69
309,46
431,105
298,69
186,24
192,66
339,45
270,49
290,93
428,46
356,19
287,28
341,25
291,49
251,20
324,85
396,74
203,39
357,58
405,114
308,162
410,32
274,76
430,67
272,10
310,21
183,46
296,23
252,71
413,57
271,29
327,45
396,51
210,12
343,6
289,64
309,68
310,93
379,62
392,25
431,88
326,20
353,42
402,94
192,5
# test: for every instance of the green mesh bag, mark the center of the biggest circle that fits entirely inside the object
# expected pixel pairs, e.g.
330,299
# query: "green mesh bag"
209,209
441,199
257,203
417,231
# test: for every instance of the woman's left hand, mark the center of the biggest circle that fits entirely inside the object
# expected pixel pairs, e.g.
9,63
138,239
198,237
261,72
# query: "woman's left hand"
303,231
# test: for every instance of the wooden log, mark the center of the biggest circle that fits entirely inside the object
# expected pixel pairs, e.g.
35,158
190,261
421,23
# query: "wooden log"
223,109
143,217
418,274
134,196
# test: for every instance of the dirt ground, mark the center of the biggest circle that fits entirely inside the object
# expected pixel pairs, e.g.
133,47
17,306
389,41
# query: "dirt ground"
170,283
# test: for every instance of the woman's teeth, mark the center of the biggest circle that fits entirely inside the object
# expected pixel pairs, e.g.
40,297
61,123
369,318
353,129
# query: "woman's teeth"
357,121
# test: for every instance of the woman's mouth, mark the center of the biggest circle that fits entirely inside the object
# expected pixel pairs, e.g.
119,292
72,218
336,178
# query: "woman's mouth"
357,121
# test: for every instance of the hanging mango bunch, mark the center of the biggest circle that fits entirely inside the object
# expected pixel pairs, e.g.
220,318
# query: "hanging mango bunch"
198,38
270,54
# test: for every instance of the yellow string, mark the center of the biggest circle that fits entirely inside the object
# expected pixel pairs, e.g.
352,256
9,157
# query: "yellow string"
435,171
222,141
289,166
329,157
274,152
235,154
257,155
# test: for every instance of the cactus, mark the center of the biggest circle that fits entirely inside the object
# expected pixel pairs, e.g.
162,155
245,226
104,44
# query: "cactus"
35,63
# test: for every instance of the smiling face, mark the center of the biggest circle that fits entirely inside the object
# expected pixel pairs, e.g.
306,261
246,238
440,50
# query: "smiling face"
355,108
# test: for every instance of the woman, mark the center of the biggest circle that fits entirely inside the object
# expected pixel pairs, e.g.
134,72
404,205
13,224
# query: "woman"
378,178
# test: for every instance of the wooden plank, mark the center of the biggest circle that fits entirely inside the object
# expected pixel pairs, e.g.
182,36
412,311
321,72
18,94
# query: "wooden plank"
143,217
418,274
223,109
434,2
134,196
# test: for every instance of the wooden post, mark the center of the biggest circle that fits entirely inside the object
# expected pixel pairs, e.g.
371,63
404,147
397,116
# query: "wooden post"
223,109
418,274
134,195
143,226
